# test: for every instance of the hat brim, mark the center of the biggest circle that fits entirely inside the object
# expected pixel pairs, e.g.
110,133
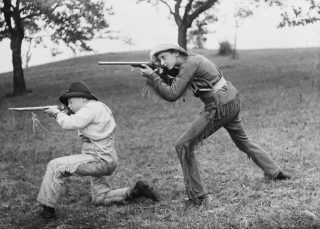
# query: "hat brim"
165,47
64,98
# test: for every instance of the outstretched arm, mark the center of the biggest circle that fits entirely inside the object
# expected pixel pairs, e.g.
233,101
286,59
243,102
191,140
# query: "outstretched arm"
178,86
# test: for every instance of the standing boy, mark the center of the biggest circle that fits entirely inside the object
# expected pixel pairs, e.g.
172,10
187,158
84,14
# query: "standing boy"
98,158
221,109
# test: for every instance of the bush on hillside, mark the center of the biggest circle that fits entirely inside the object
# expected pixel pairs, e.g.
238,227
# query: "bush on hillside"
225,48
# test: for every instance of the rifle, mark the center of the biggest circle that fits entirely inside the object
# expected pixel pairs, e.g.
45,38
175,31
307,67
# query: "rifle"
41,108
135,64
165,74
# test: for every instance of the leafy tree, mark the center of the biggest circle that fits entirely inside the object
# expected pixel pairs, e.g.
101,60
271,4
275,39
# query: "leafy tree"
301,14
297,13
74,22
184,13
197,33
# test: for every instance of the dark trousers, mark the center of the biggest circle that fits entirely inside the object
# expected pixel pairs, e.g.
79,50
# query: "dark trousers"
203,127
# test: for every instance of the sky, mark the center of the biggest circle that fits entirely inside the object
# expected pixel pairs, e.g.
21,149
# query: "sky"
148,26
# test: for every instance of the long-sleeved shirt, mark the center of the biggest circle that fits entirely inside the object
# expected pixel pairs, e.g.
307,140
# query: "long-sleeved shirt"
195,71
94,120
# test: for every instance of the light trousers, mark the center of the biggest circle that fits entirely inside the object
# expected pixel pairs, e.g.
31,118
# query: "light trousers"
88,163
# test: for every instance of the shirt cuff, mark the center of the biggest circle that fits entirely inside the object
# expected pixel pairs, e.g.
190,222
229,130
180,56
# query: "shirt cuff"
151,78
56,114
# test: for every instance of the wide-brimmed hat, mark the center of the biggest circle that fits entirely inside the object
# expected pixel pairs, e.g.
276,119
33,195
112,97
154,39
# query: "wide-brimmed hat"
77,89
165,47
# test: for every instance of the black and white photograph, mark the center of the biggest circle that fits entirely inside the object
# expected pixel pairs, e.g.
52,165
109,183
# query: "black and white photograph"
159,114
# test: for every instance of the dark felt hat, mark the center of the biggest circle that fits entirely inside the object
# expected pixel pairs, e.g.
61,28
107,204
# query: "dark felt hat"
77,89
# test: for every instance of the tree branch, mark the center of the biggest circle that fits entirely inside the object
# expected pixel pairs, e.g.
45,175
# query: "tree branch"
58,4
164,2
17,19
187,10
30,16
50,12
10,5
176,15
201,9
22,9
4,34
7,13
18,4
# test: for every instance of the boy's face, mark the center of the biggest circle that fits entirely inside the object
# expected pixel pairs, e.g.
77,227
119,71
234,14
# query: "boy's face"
168,59
76,103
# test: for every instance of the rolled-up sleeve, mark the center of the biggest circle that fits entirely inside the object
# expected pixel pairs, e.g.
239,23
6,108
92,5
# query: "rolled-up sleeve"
179,85
76,121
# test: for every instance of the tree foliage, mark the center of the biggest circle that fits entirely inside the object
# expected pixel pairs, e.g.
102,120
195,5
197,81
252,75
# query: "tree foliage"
74,22
301,14
297,13
184,13
198,31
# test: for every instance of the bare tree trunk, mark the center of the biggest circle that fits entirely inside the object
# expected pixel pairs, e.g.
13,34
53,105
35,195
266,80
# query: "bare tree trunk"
182,37
16,31
234,51
19,84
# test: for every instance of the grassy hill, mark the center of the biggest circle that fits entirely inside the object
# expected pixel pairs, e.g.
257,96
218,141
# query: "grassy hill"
280,109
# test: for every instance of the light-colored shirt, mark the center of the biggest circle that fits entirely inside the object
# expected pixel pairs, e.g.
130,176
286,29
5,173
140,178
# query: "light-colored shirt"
94,120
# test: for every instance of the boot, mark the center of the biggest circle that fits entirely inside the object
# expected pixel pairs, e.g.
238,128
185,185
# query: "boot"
48,212
200,201
282,176
40,220
141,188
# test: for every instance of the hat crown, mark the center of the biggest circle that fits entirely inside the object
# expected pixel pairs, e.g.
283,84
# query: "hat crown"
77,90
79,87
164,47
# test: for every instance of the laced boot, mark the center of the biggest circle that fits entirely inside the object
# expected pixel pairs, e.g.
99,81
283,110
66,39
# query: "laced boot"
141,188
48,212
199,201
282,176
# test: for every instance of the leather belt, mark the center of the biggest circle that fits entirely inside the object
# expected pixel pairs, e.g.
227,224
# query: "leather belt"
218,85
209,95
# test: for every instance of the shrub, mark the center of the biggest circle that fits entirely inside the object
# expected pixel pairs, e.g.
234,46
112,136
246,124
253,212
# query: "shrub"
225,48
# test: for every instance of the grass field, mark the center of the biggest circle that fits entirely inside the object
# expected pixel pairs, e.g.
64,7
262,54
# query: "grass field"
280,92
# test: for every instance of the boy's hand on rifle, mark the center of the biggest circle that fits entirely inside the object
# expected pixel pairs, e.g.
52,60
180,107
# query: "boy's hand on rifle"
52,111
146,71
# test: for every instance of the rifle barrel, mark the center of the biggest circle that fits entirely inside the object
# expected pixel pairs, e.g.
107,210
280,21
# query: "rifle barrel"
42,108
122,62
